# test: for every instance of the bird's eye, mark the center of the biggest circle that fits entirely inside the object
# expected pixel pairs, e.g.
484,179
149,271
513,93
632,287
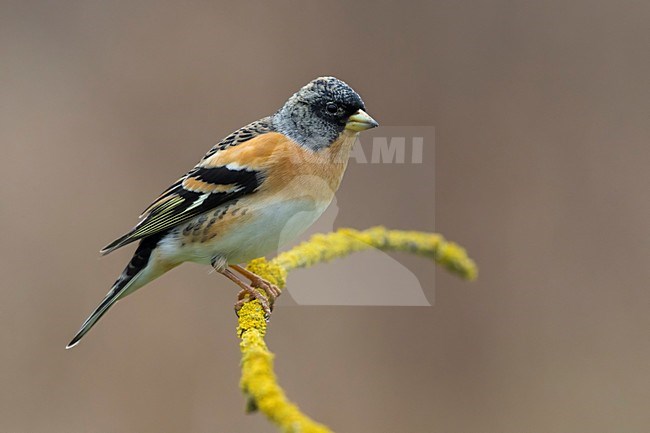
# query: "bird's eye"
332,108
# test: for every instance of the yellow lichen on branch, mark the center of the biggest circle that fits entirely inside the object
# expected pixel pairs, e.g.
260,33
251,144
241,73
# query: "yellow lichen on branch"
258,380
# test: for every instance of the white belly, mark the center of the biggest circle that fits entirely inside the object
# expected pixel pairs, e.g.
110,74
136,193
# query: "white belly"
269,228
273,227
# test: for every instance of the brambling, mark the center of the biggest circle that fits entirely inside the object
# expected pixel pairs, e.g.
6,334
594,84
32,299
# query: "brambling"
258,188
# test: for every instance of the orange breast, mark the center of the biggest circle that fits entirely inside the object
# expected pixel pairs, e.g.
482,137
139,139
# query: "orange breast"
298,170
290,170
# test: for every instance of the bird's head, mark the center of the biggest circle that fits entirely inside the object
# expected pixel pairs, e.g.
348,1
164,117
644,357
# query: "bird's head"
321,111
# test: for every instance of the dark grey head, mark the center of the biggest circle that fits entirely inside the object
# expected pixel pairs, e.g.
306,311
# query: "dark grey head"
317,114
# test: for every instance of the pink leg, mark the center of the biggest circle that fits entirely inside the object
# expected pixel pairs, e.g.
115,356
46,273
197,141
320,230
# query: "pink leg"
250,291
256,281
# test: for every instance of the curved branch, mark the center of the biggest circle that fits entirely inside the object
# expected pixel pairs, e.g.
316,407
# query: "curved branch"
258,381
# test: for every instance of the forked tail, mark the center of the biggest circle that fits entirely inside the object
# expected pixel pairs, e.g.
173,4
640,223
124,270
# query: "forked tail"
137,273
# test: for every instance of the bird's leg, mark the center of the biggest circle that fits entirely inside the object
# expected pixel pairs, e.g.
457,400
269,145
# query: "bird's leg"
271,290
246,290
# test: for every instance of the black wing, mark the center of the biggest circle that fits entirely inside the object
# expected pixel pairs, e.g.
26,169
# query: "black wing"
200,190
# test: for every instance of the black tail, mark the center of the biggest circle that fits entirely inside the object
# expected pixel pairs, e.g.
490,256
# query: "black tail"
124,285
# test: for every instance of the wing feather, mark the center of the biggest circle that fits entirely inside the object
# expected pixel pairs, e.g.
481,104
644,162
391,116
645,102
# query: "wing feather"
203,188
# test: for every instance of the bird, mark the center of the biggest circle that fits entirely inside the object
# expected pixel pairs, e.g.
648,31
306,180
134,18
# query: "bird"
254,191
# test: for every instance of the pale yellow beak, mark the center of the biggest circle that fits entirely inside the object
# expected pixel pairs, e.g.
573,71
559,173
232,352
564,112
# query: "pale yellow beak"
360,121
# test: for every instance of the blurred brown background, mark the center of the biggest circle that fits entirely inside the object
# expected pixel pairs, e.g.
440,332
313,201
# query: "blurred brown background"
541,115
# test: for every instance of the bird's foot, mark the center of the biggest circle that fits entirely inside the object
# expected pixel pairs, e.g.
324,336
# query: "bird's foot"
256,282
259,289
251,293
270,290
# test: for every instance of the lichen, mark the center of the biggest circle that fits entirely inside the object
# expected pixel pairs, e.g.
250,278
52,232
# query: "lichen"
258,380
